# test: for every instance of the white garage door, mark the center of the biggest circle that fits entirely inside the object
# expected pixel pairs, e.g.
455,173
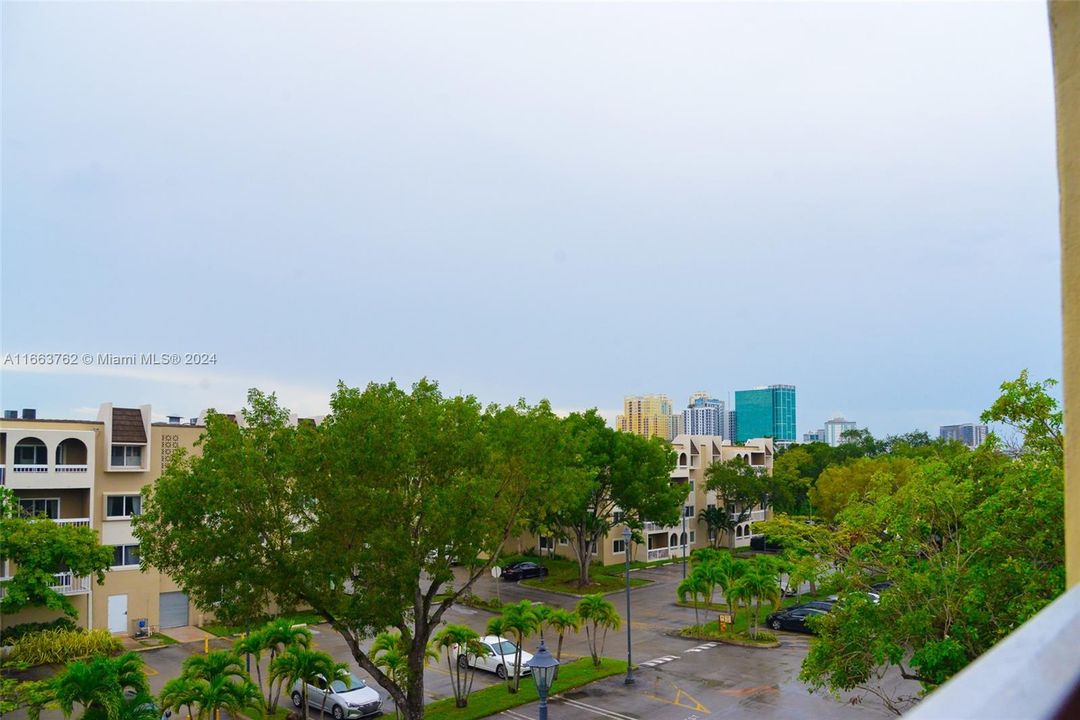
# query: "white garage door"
174,609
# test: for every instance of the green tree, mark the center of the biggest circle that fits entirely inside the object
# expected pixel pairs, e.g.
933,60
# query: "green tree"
719,522
498,627
520,620
562,621
719,569
1029,408
306,667
696,588
178,694
840,484
462,647
612,471
218,681
598,616
37,548
758,585
276,637
252,645
738,484
98,686
356,517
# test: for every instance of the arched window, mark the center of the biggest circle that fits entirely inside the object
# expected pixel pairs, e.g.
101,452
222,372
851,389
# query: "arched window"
31,451
682,459
738,531
673,541
683,539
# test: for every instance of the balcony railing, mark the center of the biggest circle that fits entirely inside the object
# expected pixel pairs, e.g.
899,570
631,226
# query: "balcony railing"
1032,673
659,554
754,516
71,468
76,522
19,468
657,527
66,584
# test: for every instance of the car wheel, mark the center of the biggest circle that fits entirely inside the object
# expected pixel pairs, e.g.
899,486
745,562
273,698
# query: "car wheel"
337,713
501,672
297,699
462,662
775,624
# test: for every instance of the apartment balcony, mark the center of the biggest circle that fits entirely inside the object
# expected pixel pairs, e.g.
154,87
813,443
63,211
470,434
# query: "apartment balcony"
681,472
657,527
74,522
659,554
66,584
24,476
754,516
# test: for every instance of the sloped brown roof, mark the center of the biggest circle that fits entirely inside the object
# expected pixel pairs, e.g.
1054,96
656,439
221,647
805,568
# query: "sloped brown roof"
127,426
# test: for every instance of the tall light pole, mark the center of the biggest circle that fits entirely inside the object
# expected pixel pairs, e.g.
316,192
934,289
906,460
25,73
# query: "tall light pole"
629,661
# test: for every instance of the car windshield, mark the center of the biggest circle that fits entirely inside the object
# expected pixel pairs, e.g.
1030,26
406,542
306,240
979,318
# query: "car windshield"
504,648
353,683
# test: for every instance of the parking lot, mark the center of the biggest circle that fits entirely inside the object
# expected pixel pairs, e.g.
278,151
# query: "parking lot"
675,679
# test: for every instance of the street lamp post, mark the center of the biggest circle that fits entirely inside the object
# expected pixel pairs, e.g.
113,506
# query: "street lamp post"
543,666
629,662
684,542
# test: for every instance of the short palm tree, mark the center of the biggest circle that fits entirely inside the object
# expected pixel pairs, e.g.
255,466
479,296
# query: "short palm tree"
223,693
252,645
521,620
561,620
178,693
277,636
694,586
219,663
722,570
99,685
299,665
759,583
497,626
387,654
462,646
597,614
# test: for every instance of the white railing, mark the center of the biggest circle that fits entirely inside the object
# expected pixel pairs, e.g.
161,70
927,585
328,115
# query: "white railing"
657,527
71,468
29,468
754,516
77,522
659,554
66,584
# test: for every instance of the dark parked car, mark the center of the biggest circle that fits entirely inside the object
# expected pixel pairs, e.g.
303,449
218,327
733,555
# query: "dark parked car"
878,587
522,570
794,619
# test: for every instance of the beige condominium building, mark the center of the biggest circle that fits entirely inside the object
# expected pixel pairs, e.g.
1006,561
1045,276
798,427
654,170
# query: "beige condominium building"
694,454
91,473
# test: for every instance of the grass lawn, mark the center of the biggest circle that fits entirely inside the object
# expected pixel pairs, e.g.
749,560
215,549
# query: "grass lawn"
740,636
300,618
495,699
563,576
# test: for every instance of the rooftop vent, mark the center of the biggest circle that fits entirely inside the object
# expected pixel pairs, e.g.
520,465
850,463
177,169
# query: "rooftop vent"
174,419
11,414
29,414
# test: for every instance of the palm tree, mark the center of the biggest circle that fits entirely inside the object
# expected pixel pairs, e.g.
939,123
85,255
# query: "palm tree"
300,665
219,663
178,693
717,520
461,643
696,587
521,620
497,626
722,570
560,621
253,644
759,583
277,636
597,614
386,652
223,693
99,685
542,612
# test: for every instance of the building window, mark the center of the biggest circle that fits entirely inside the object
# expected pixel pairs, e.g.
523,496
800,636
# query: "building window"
691,486
122,506
125,555
126,456
688,511
618,547
31,451
564,541
617,517
34,507
693,536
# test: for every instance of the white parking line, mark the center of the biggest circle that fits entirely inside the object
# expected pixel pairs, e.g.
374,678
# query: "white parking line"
596,710
660,660
513,714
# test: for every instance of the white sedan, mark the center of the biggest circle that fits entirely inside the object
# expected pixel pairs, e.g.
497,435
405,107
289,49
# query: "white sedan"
501,659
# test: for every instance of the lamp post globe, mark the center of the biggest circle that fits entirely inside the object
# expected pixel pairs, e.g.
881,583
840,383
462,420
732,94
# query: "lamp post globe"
543,666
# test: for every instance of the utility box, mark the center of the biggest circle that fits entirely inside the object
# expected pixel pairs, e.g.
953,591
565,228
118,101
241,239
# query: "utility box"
140,628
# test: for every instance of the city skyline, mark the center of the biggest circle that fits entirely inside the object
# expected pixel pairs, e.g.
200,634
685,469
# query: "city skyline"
262,206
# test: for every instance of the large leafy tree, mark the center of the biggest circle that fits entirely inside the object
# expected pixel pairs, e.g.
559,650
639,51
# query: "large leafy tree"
37,549
738,483
973,542
612,471
358,517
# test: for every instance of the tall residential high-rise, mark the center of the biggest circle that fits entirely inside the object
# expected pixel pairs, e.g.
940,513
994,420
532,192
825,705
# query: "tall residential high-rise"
766,412
732,428
648,416
835,429
705,416
971,434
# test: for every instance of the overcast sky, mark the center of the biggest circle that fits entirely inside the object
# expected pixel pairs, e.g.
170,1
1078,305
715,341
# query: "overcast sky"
570,201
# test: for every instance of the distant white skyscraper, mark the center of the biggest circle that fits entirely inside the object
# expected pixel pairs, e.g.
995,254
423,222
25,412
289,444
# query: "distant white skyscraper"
835,428
705,416
970,434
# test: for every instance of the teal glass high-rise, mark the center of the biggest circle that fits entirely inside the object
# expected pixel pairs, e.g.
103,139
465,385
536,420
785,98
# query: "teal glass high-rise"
766,412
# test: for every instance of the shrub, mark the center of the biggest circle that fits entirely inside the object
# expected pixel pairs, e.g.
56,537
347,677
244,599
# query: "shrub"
10,634
59,646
